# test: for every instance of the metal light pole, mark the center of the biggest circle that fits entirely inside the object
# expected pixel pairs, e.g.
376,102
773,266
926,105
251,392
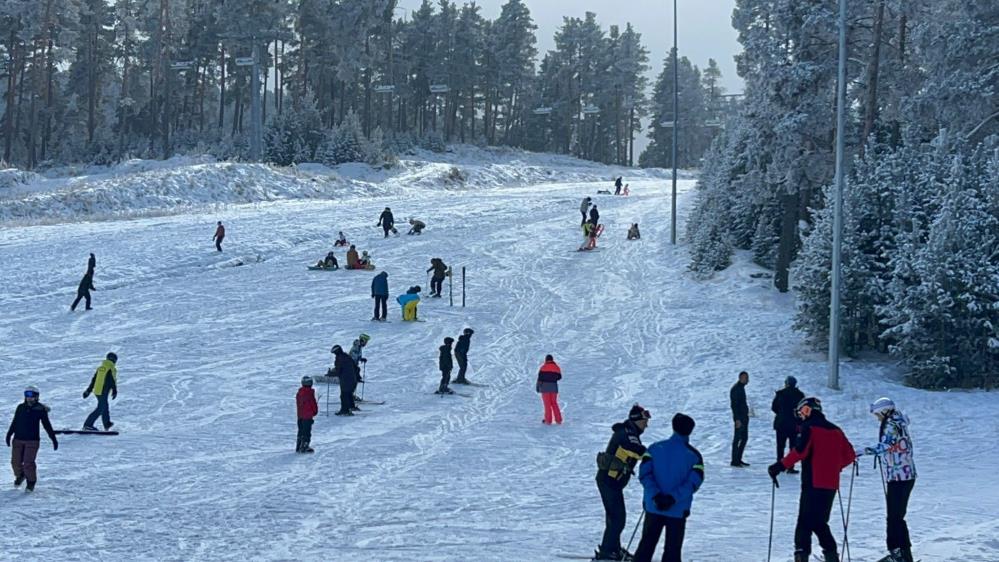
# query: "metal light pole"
676,122
838,203
256,128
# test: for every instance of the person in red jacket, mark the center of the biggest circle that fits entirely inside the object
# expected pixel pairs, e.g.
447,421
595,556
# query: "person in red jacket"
824,451
307,410
547,386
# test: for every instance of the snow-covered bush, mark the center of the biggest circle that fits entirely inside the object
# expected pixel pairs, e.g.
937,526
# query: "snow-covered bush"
294,135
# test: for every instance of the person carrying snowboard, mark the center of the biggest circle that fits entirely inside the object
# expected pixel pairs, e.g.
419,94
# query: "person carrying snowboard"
547,386
219,236
894,452
83,291
380,292
387,222
409,303
461,354
346,373
341,240
614,469
104,383
583,208
416,226
824,451
671,473
307,408
26,437
439,268
445,364
740,419
785,422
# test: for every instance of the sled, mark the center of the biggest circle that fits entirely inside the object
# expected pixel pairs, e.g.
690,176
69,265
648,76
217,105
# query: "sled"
317,268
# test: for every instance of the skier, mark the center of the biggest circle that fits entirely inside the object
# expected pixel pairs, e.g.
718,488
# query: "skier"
352,259
409,302
83,291
461,354
671,473
103,383
416,226
24,429
357,355
547,386
439,268
380,292
633,233
823,451
583,208
445,364
894,451
219,235
92,263
740,417
594,215
387,222
785,422
614,469
341,240
307,408
617,185
345,371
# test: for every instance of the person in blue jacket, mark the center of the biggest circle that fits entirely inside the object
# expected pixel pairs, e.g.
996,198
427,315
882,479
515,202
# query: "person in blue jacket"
671,472
380,292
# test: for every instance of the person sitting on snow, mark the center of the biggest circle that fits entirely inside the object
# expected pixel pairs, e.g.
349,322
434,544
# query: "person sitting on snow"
416,226
329,262
365,261
341,240
352,259
633,233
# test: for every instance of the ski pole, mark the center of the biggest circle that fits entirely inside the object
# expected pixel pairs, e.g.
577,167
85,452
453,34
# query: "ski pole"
364,378
640,517
327,394
846,516
881,469
770,541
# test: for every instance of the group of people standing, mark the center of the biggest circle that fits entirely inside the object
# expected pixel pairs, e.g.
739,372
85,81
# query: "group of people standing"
445,362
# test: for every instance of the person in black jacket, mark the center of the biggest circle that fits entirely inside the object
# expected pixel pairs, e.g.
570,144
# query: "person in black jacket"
785,421
346,372
92,263
440,270
614,469
740,417
387,222
594,216
24,429
461,354
446,365
83,291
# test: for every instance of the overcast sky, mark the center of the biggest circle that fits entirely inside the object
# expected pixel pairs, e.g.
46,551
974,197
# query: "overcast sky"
705,27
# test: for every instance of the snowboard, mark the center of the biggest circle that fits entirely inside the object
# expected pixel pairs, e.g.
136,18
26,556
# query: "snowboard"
83,432
317,268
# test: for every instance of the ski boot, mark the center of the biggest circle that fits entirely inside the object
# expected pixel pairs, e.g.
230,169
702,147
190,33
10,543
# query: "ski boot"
344,413
800,556
108,426
30,487
89,428
830,556
461,381
308,449
18,480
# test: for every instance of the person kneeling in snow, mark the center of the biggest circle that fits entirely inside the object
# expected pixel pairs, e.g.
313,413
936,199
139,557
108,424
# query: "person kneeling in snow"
416,226
307,407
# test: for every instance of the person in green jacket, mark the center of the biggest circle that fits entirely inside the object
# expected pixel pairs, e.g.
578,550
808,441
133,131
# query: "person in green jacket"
103,384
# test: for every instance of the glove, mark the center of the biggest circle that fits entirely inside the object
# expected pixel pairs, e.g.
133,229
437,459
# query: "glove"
869,451
738,424
86,394
8,440
55,445
664,501
364,359
773,470
114,394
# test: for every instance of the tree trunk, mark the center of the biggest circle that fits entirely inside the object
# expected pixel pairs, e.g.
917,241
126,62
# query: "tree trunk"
871,102
788,240
222,89
8,121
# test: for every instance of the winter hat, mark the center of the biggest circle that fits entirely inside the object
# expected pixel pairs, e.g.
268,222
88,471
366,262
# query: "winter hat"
683,424
112,357
306,380
448,341
882,406
790,382
549,358
364,338
639,413
469,331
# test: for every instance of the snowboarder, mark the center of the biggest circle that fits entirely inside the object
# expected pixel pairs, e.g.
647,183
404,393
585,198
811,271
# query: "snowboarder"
617,185
219,235
740,418
104,383
409,303
380,292
671,473
894,451
547,386
824,451
594,215
307,408
440,270
346,373
353,260
614,469
461,354
387,222
24,429
416,226
329,262
341,240
785,422
583,208
92,263
633,232
445,364
83,290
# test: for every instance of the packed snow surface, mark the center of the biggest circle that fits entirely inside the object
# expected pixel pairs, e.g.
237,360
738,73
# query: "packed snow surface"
212,347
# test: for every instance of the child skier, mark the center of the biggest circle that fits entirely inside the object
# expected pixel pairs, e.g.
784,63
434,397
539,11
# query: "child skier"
461,354
446,364
614,469
307,407
24,429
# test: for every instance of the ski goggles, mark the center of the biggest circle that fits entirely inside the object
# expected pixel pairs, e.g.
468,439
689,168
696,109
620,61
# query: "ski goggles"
30,394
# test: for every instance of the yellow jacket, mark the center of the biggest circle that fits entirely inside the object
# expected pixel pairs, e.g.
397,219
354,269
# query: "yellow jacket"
100,377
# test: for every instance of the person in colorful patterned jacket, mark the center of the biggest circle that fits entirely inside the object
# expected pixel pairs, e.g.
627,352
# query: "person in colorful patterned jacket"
307,407
824,451
894,451
547,385
671,473
104,383
614,469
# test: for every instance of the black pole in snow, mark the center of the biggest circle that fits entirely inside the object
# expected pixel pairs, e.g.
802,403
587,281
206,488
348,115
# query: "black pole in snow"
462,286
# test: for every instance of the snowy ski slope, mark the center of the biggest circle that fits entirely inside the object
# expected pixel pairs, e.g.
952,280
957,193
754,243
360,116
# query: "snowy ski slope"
212,348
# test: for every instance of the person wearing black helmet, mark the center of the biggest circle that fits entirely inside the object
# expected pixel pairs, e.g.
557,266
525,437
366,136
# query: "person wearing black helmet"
346,372
26,440
387,222
785,422
461,354
615,465
104,383
446,365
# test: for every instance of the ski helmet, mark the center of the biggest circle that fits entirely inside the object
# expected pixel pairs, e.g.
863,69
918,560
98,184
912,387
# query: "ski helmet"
638,413
336,349
882,406
306,380
364,338
448,341
469,331
112,357
31,391
813,403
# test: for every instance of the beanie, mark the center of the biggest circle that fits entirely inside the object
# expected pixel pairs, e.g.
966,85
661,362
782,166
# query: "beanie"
683,424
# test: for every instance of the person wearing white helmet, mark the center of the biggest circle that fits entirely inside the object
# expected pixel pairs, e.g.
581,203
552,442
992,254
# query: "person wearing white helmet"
894,452
26,439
